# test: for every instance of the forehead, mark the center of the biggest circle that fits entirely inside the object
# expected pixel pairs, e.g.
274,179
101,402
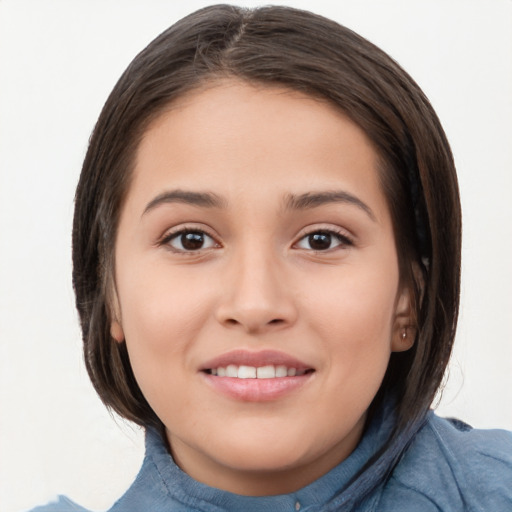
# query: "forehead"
233,137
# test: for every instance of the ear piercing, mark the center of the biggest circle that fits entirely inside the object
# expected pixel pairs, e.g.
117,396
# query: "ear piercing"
404,334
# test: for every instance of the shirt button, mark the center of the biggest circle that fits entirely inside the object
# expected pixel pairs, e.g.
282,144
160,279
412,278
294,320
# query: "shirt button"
297,505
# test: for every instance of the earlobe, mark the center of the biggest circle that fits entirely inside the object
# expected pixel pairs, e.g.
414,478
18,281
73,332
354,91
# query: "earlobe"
403,339
116,331
404,330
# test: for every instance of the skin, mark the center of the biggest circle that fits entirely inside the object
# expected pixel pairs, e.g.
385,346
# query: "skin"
255,283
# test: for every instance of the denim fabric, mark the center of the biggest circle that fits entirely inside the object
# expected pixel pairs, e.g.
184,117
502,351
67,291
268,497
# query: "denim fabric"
448,466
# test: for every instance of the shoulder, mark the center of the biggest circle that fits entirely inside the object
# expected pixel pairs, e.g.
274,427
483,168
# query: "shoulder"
61,504
451,466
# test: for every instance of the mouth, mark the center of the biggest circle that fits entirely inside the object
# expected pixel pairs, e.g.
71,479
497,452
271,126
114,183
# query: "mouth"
269,371
256,376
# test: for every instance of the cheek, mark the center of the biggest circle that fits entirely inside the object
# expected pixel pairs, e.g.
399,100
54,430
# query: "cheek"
356,315
355,324
363,297
161,314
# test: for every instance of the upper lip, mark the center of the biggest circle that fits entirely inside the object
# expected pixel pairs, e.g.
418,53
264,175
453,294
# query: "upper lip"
249,358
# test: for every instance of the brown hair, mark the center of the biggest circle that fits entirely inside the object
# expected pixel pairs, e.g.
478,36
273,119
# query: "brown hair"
316,56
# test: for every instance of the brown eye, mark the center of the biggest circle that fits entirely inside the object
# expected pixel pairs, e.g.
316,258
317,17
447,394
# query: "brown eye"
187,241
323,241
320,241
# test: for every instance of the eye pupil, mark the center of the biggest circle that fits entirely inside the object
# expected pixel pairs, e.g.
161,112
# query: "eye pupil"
192,240
319,241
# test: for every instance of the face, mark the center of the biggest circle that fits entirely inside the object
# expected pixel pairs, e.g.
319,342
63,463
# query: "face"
257,284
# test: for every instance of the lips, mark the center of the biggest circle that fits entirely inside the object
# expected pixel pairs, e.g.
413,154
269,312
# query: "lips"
256,376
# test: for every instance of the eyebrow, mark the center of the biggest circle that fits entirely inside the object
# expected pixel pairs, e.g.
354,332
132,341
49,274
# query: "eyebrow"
292,201
203,199
316,199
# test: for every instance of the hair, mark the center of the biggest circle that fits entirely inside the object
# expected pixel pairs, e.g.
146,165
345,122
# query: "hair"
279,46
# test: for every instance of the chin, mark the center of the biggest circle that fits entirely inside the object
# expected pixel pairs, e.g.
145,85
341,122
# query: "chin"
265,453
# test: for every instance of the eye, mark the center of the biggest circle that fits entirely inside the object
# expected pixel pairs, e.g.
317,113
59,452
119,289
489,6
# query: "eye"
323,240
190,240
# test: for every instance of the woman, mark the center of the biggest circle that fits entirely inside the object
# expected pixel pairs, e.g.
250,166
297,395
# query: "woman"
266,253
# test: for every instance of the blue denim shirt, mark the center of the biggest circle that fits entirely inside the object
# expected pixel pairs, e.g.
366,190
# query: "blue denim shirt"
448,466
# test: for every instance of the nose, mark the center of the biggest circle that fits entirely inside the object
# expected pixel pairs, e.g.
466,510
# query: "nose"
256,297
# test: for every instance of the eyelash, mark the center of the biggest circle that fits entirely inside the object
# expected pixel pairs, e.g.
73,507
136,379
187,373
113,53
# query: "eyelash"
341,237
343,240
176,235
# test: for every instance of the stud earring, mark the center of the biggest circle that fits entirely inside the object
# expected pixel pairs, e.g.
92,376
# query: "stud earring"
404,334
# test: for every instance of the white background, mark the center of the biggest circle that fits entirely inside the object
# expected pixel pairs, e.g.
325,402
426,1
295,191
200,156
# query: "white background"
58,62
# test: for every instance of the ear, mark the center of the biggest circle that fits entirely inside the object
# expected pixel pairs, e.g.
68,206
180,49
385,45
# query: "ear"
116,329
404,328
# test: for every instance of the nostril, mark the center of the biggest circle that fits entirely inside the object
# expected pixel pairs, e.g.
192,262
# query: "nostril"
252,321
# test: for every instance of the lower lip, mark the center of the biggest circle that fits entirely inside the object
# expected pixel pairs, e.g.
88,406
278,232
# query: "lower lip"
257,390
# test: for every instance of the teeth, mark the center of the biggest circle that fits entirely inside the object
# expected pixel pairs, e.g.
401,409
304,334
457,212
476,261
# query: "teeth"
251,372
246,372
232,371
266,372
281,371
